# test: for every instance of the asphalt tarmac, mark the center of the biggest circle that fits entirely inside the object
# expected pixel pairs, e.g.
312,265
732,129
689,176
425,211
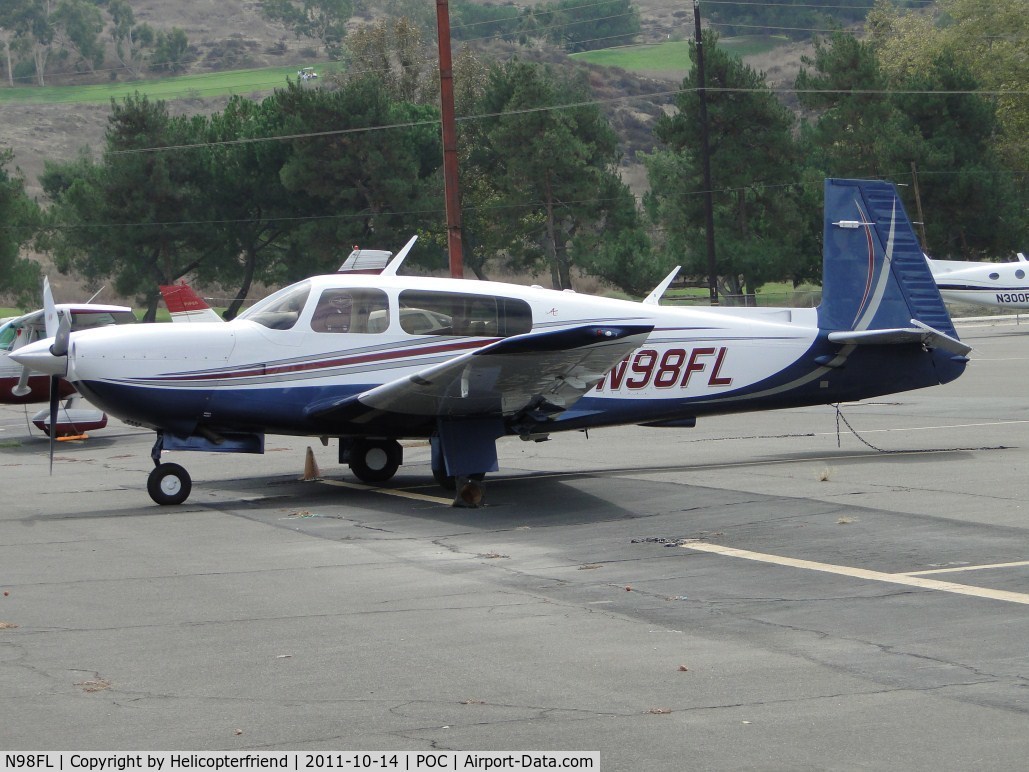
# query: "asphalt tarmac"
765,591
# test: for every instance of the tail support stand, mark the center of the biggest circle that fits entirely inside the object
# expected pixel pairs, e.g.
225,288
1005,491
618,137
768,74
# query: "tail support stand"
468,448
470,493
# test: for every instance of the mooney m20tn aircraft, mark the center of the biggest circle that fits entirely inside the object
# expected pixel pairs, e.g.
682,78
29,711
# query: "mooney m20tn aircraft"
372,359
1004,285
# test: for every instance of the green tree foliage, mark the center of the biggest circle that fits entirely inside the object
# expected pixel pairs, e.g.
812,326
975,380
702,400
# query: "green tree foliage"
322,20
270,191
582,27
81,23
987,37
550,156
29,25
369,169
132,41
971,205
571,24
19,219
134,216
794,18
249,216
868,125
763,232
476,21
393,49
857,126
171,52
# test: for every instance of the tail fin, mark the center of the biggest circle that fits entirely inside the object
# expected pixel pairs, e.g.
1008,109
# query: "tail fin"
875,275
186,306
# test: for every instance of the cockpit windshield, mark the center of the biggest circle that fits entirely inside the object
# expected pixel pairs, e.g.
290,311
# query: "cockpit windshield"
280,310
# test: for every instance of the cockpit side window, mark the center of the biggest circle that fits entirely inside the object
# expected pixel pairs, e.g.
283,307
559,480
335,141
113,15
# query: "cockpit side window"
351,310
423,312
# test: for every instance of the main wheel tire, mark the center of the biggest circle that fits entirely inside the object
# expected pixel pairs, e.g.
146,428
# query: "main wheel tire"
169,484
375,461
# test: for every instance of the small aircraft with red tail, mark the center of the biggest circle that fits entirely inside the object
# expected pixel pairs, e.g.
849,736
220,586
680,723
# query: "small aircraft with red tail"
21,385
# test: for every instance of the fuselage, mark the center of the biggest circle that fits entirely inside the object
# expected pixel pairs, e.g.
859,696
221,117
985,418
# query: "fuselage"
1004,285
330,337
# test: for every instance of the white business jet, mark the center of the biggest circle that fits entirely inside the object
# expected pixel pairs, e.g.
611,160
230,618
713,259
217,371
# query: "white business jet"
373,359
1004,285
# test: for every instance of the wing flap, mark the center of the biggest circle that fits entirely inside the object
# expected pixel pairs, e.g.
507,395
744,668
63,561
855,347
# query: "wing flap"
551,368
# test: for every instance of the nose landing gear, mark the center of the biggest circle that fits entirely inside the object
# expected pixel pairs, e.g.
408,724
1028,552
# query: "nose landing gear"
169,484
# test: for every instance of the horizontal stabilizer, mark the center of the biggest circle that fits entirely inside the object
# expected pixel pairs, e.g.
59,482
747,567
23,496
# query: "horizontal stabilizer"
919,333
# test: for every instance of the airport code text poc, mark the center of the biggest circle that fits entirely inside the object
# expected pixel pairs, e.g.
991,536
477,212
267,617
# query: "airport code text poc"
298,762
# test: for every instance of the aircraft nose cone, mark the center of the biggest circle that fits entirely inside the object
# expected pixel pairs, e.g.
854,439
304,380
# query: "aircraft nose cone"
37,357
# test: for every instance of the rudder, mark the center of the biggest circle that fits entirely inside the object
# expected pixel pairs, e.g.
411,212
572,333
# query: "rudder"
875,275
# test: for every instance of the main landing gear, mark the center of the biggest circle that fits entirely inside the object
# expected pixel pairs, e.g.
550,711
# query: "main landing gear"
373,461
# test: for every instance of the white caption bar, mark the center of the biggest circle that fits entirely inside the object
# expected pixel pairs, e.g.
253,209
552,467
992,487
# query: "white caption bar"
296,761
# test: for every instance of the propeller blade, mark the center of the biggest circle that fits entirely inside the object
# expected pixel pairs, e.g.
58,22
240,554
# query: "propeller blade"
55,404
22,387
61,337
49,309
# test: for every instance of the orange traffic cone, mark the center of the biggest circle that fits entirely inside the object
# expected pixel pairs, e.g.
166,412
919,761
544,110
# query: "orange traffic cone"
311,470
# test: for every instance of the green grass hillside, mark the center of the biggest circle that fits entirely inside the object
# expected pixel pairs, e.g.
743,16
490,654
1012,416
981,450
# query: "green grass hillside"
208,84
672,55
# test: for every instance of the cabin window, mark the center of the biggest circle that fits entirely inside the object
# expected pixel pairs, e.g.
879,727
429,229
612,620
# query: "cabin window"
351,310
455,313
281,310
995,276
8,334
87,320
1019,274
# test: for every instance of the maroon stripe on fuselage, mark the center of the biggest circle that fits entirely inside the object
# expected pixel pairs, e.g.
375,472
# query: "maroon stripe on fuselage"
358,359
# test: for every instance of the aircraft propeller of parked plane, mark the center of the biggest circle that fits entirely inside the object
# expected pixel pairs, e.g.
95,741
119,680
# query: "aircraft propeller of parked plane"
22,385
1003,285
374,359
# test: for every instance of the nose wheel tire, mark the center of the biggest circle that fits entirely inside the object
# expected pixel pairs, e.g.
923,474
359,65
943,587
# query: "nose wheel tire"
169,484
375,461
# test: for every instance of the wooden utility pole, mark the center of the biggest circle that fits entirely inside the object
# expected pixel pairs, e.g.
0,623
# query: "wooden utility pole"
705,155
450,182
918,207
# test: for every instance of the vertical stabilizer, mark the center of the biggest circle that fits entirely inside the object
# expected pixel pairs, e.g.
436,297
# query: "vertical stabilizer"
874,273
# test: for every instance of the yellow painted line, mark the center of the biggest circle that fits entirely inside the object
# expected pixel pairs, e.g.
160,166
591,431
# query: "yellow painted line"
400,494
862,573
1014,564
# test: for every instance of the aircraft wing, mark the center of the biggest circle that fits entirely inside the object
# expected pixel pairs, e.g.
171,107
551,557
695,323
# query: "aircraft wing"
917,333
547,371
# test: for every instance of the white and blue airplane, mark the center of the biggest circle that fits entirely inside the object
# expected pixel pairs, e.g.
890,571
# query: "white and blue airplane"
1002,285
374,359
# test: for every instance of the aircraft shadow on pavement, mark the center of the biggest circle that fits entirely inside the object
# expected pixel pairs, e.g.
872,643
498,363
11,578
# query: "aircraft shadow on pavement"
519,500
